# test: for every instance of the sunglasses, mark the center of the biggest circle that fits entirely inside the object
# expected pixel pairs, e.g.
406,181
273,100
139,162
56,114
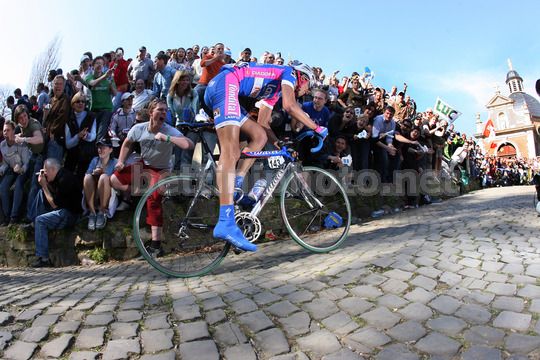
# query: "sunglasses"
80,102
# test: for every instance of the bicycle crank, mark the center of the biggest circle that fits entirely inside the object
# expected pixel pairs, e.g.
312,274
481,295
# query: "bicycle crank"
249,225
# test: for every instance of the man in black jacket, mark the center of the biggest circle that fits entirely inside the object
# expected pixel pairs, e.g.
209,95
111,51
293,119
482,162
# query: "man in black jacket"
58,205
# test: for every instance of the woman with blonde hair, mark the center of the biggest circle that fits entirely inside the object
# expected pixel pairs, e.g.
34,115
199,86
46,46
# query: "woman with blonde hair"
182,100
183,103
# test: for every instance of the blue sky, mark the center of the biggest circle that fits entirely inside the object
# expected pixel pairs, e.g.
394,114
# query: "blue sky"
456,50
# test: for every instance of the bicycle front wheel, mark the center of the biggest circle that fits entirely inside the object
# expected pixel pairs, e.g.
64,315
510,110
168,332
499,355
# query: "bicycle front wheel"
315,209
189,248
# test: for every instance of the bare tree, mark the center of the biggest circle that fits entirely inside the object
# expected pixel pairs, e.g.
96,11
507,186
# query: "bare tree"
5,92
49,59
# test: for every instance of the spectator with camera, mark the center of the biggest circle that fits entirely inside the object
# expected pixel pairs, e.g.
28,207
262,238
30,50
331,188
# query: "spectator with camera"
14,165
103,89
57,205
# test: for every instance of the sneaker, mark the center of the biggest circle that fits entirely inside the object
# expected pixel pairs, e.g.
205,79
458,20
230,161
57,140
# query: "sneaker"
124,205
231,233
101,221
92,222
40,263
155,253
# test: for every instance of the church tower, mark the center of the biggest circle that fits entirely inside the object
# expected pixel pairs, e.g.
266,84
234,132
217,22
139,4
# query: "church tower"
513,80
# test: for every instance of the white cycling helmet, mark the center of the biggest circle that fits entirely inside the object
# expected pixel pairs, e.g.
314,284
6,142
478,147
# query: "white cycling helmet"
305,70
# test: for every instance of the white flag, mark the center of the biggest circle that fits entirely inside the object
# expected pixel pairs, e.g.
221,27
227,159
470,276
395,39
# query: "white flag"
445,111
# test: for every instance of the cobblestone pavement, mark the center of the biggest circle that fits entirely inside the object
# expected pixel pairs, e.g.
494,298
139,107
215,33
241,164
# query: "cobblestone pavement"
452,280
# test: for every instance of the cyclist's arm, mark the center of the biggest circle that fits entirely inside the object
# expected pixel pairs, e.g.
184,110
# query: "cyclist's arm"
293,109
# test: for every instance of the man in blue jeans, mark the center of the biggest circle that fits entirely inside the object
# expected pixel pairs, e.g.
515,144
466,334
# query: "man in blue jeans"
58,205
32,136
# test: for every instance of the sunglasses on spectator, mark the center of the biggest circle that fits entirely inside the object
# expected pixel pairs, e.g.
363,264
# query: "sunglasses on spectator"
80,102
349,112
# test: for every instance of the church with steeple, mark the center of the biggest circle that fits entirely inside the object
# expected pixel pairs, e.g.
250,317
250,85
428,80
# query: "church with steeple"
516,120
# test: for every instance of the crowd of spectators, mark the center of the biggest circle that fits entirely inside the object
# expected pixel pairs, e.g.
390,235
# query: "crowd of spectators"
80,119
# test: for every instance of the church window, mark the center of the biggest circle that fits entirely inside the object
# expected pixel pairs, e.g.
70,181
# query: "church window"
502,121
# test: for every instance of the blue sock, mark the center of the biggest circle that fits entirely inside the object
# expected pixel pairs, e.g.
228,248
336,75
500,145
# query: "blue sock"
226,229
226,213
238,181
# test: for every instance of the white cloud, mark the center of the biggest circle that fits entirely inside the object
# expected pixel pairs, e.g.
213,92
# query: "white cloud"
480,86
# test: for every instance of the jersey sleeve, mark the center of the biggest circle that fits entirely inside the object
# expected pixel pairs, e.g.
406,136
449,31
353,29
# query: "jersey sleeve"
270,102
288,78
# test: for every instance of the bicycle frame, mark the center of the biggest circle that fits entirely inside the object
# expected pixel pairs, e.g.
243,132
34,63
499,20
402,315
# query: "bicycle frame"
291,166
210,163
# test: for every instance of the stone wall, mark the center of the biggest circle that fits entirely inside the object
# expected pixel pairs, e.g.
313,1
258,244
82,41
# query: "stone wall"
78,245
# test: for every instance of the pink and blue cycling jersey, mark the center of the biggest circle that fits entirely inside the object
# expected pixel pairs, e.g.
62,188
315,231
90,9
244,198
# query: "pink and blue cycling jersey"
261,82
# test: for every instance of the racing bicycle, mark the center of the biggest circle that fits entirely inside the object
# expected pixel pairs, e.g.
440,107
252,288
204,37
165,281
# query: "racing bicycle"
314,207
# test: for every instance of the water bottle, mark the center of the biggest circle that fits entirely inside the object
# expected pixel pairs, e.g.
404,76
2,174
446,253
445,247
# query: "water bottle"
257,190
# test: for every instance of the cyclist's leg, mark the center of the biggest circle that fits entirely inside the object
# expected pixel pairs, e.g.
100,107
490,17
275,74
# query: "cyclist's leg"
222,97
257,141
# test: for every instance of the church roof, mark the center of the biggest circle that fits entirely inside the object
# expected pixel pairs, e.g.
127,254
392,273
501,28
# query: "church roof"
512,74
521,98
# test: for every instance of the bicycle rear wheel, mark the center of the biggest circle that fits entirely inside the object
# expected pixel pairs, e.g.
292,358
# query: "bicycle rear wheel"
315,209
189,248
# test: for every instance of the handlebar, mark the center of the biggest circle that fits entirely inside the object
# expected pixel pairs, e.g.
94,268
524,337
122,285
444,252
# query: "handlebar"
195,125
312,134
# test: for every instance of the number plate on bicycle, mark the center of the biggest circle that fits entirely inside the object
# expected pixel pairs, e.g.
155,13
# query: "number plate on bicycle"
275,162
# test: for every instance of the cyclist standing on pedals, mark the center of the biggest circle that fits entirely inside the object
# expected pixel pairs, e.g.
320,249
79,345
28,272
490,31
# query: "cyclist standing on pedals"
266,83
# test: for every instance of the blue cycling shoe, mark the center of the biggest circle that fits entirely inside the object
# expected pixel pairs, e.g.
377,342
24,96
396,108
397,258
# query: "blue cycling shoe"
230,232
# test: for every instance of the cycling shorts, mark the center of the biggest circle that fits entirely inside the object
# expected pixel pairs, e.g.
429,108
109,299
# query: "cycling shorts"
221,96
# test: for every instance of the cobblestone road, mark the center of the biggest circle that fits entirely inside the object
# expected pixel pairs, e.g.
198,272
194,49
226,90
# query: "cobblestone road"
452,280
